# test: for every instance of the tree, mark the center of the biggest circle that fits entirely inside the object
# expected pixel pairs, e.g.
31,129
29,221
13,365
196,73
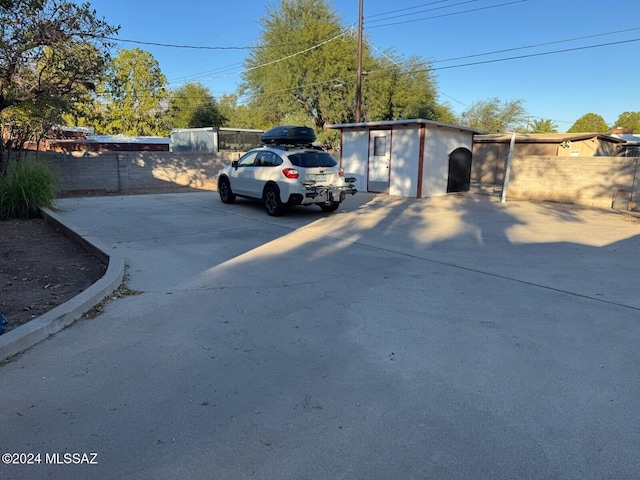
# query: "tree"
400,89
49,48
305,66
136,95
29,122
629,120
589,123
299,65
193,106
493,115
445,114
51,53
86,111
237,116
543,125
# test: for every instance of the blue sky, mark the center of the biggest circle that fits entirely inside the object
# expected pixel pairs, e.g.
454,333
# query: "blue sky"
598,74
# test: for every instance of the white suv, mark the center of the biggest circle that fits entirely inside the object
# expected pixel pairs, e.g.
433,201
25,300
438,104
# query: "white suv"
288,170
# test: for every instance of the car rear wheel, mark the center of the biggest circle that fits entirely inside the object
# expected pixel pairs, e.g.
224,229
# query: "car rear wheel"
332,207
224,189
272,203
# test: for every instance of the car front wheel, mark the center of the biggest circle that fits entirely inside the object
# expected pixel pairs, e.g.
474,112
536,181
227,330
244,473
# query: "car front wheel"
224,189
272,203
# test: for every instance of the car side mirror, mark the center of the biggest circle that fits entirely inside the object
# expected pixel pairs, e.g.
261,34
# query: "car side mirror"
234,164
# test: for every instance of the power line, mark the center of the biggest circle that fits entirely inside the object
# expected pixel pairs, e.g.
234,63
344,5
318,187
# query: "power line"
344,33
253,47
408,8
296,54
430,68
172,45
539,54
449,14
220,72
195,47
313,47
421,11
587,47
280,92
230,69
537,45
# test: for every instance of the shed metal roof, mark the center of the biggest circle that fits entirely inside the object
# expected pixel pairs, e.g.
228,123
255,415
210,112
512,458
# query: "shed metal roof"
126,139
113,139
393,123
544,137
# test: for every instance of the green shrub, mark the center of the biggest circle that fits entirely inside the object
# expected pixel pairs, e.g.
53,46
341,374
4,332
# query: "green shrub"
28,186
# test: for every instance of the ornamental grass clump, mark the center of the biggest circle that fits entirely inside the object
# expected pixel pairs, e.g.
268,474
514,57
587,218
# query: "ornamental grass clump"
28,186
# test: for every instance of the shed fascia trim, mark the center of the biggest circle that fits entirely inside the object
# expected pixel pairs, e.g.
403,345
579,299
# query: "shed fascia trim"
393,123
545,138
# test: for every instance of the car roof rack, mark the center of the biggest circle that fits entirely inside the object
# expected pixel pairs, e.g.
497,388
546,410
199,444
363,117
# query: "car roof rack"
288,135
286,147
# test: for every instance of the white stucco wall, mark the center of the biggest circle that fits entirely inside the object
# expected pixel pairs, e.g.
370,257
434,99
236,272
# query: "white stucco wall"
355,148
405,154
439,143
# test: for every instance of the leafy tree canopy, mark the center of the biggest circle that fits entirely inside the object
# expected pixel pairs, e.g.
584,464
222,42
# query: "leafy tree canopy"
305,67
52,54
193,106
136,95
299,64
494,115
589,123
50,49
399,89
237,116
629,120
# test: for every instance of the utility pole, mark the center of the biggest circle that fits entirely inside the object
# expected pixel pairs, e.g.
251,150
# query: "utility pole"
359,79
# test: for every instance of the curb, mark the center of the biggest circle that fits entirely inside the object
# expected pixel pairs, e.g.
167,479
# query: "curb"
42,327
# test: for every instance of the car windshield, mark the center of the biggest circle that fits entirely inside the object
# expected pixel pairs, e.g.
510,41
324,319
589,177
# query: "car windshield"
312,159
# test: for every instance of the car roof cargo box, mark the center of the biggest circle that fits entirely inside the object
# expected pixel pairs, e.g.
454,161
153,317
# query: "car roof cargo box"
289,135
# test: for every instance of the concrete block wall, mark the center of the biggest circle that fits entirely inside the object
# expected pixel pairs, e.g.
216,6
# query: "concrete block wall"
593,181
122,171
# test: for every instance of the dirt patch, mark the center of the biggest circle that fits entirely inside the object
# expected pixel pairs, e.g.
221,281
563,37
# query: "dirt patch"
40,268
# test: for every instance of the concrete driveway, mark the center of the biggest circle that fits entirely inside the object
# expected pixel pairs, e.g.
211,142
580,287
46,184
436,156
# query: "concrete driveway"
451,338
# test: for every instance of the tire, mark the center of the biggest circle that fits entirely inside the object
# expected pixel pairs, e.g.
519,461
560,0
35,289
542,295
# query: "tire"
272,203
332,207
224,189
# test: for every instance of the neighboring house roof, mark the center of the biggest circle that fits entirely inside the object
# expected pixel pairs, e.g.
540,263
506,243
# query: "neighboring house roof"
60,130
127,139
392,123
544,137
95,143
216,129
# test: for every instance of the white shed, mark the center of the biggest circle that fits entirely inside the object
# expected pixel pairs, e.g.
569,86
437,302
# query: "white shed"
410,158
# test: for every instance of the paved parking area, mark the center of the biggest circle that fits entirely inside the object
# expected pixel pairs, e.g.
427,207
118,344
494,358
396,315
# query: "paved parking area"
449,338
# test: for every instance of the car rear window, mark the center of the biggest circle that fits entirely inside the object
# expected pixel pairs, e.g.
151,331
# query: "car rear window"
312,159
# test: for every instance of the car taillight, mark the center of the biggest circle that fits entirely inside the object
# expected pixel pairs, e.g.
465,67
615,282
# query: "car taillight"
341,172
290,173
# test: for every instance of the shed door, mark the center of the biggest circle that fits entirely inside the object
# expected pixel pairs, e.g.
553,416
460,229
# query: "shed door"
379,157
459,170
